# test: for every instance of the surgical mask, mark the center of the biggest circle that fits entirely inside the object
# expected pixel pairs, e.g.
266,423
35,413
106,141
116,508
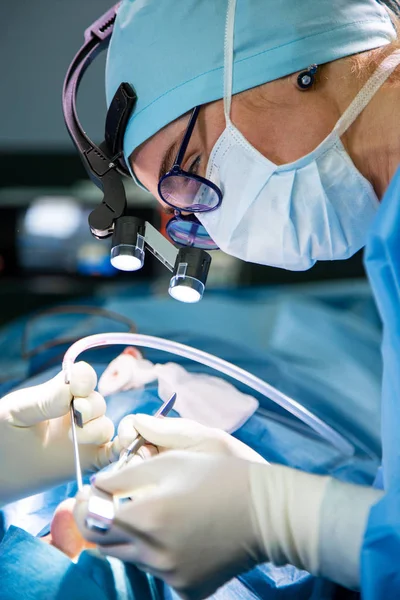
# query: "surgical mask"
319,207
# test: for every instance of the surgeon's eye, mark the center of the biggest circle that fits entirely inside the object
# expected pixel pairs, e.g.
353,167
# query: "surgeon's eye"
168,210
194,166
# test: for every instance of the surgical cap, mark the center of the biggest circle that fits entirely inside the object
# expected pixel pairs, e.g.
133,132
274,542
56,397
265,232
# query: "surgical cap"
172,52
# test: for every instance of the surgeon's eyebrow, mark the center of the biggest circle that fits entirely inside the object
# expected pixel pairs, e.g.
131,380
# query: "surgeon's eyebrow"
168,159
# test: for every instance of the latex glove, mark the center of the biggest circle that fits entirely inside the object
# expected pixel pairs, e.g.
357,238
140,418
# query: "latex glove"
181,434
35,440
196,520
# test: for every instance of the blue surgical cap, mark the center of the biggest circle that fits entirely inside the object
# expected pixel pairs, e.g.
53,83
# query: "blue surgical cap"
172,52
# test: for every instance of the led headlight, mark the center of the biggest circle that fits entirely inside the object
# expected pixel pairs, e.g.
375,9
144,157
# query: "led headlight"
190,275
127,251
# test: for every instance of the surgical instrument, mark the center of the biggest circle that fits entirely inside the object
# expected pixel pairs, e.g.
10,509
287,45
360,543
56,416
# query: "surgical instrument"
102,506
137,443
76,420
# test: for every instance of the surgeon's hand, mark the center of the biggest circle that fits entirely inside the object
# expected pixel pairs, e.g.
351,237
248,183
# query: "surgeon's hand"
181,434
196,519
35,440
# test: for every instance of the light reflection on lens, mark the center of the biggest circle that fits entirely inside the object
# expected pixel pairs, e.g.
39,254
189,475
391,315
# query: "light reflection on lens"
187,232
186,192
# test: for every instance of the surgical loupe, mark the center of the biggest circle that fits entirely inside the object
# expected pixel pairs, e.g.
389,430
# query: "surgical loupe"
105,165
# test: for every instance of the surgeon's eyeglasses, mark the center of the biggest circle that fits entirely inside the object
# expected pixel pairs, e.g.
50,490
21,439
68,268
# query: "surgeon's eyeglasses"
188,192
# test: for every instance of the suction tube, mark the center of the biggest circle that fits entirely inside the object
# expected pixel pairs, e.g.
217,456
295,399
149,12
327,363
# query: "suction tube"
147,341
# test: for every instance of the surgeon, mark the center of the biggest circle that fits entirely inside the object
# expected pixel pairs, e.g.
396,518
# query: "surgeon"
36,450
277,125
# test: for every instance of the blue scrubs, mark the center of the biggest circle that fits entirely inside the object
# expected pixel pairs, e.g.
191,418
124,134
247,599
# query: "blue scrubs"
381,549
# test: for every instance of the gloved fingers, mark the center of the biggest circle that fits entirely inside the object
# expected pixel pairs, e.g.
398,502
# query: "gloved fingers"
131,478
118,534
145,452
166,433
126,432
80,512
39,403
83,379
137,553
105,455
90,407
97,432
130,553
125,552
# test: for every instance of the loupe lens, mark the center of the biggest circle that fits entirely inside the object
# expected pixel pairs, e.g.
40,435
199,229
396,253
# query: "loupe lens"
186,289
188,193
125,257
187,231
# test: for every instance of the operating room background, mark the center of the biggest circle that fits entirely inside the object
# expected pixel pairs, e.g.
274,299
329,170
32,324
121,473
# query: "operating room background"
47,254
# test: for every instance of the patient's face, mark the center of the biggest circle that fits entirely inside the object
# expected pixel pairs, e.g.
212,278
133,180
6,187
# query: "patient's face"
64,534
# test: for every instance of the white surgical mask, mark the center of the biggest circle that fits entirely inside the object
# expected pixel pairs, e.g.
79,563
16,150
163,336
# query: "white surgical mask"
317,208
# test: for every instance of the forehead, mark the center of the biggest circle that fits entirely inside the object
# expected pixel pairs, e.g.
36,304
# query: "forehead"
147,159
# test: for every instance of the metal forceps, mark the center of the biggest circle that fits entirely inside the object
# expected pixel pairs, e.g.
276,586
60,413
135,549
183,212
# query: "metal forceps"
101,505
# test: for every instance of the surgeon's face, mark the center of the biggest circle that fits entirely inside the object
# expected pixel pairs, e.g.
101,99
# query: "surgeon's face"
282,122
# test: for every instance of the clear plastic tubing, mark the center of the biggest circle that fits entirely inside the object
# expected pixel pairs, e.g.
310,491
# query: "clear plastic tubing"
260,386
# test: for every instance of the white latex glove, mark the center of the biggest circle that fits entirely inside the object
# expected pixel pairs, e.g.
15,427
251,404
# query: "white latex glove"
196,520
181,434
35,440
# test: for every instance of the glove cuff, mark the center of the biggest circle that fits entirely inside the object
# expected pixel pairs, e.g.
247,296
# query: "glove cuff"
344,516
287,506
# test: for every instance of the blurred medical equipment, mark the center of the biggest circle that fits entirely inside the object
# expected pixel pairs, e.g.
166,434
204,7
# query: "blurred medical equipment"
72,309
95,341
52,237
105,164
206,399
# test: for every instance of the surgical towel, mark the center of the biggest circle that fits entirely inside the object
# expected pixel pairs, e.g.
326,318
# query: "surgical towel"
209,400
